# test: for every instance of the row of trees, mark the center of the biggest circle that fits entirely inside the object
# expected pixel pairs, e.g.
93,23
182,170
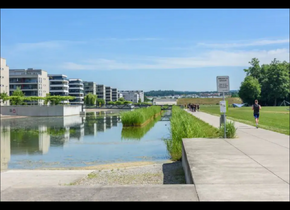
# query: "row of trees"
19,98
269,83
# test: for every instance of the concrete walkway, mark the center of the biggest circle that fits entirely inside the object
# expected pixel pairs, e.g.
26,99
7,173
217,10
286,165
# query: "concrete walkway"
252,167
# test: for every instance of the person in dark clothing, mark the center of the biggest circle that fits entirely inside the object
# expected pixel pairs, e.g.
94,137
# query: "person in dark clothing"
256,107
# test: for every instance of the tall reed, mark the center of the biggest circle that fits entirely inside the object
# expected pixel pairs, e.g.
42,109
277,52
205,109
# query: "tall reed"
185,125
139,116
137,133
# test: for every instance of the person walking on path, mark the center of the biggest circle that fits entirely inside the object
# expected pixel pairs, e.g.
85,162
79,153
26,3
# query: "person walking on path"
256,107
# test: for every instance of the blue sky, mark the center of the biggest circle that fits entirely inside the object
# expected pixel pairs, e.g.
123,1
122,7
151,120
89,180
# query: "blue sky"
145,49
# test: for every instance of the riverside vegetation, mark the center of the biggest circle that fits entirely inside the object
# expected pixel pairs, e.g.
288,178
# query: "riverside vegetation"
185,125
140,117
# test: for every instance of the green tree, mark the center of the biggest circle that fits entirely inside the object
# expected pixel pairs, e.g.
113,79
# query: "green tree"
121,99
4,97
255,69
100,101
56,100
235,95
119,102
127,102
277,82
17,97
250,90
90,99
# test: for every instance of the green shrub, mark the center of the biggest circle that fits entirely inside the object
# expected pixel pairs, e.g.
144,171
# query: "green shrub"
230,130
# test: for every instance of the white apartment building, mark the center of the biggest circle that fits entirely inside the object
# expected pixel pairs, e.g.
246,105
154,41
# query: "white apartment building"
101,92
4,79
59,85
76,89
89,87
120,95
133,95
108,94
115,96
32,82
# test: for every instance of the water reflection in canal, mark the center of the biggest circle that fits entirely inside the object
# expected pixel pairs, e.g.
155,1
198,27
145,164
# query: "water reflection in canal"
75,141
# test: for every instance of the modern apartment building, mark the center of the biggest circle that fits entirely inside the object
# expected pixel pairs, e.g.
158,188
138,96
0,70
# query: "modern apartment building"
120,95
4,79
115,96
133,95
108,94
32,82
101,92
76,89
89,87
59,85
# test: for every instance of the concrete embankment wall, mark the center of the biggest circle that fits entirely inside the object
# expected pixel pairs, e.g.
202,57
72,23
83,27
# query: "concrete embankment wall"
41,111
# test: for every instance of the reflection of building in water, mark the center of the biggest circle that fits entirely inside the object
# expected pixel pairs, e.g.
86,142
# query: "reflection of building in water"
77,132
5,146
30,140
91,123
101,124
43,139
90,128
70,121
109,122
115,120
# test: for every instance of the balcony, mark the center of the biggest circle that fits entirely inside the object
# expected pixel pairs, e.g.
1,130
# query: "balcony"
76,88
58,91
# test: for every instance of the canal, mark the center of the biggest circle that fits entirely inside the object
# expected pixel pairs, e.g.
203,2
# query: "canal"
80,141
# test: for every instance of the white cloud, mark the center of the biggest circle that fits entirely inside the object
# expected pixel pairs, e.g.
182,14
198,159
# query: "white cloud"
209,59
246,44
129,39
56,44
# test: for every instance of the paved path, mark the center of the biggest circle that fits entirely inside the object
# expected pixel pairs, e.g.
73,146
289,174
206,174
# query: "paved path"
253,166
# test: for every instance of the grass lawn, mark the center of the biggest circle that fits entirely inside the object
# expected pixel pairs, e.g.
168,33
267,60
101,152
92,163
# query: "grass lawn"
271,118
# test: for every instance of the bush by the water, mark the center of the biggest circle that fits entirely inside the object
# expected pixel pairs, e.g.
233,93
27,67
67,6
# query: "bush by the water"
139,116
185,125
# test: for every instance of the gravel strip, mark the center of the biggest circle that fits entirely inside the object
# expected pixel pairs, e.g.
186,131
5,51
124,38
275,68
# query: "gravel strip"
160,173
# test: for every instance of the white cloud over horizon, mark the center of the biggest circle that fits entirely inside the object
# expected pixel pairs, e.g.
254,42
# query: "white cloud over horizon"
208,59
244,43
51,45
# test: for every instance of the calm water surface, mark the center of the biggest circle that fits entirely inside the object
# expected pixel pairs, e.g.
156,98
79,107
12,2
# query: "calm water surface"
75,141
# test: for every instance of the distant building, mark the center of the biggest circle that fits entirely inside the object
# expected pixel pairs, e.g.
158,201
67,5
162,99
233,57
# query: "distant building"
76,89
4,80
108,94
101,92
89,87
59,85
32,82
120,95
133,95
115,96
